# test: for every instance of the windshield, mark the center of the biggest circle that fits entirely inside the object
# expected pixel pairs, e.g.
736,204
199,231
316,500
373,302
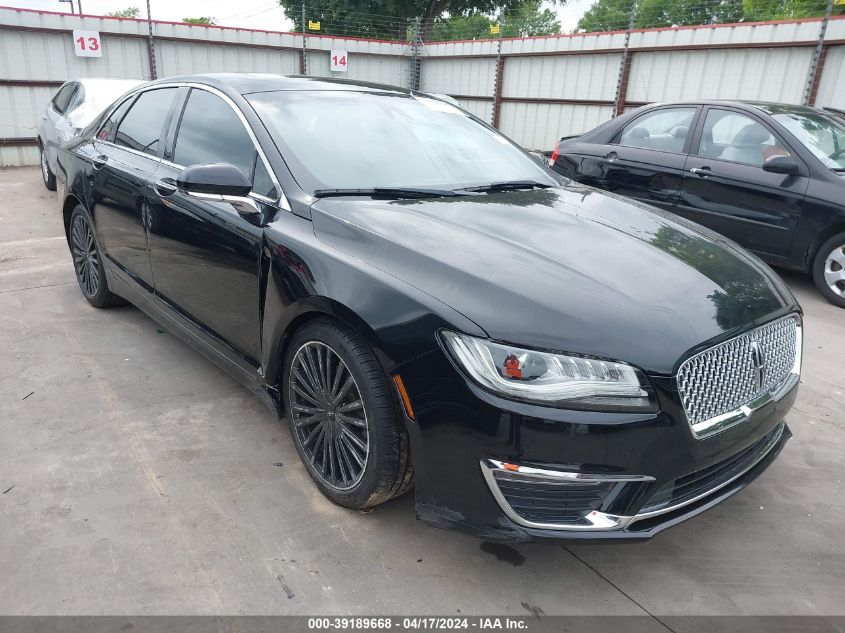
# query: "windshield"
362,140
823,135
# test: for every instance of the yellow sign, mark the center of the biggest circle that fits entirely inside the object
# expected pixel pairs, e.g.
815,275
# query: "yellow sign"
838,1
313,26
494,28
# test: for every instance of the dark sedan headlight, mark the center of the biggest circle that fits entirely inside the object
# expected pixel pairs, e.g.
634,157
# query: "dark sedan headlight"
550,379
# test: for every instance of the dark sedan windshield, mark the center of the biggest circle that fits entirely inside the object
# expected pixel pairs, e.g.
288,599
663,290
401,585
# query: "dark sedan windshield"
823,135
363,140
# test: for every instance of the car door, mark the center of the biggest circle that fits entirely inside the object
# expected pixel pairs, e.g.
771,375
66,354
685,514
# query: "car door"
126,154
727,190
205,256
645,159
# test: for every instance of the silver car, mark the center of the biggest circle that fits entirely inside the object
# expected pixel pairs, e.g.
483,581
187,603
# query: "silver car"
73,107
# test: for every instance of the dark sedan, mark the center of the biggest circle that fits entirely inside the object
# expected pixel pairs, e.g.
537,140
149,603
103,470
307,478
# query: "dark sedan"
769,176
428,306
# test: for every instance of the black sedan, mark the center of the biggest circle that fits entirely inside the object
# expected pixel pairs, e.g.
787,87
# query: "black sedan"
428,306
769,176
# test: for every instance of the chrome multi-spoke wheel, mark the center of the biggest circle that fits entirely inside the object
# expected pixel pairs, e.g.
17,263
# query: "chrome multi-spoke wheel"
834,270
47,175
86,259
328,416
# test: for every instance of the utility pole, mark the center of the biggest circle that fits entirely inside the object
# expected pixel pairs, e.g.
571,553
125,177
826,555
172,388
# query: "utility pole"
498,82
151,50
303,59
818,59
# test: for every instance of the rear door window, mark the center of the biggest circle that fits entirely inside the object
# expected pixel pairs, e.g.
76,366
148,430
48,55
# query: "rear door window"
142,127
665,130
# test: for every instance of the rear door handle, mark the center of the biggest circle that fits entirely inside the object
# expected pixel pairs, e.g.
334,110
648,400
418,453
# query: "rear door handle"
704,172
165,187
100,161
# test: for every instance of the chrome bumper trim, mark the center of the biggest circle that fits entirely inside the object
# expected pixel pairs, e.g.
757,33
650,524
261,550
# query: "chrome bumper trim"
601,521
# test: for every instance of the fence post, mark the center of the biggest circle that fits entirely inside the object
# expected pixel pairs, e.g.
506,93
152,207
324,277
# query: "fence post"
499,78
625,65
303,58
151,49
416,62
817,65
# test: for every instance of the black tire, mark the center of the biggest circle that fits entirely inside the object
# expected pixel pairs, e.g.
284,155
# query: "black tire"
47,175
88,263
826,270
387,471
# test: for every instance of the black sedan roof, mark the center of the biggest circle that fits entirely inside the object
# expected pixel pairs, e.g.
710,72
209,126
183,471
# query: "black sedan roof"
246,83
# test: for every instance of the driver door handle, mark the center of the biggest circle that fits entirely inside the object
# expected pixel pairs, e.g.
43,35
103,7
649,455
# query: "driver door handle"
165,187
99,161
704,172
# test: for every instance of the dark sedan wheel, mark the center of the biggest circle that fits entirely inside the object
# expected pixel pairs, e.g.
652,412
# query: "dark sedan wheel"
88,263
47,175
344,418
829,270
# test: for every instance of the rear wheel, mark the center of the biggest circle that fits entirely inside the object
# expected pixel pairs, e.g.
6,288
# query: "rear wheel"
344,418
47,175
87,262
829,270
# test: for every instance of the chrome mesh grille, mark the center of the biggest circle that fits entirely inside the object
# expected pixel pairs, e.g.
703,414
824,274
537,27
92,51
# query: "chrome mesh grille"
725,377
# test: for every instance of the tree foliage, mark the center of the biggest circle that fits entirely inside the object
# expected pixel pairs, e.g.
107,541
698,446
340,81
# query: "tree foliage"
613,15
528,20
202,20
128,12
391,19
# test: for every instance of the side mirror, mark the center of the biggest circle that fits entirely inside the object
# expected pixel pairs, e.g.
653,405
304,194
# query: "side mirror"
781,165
221,182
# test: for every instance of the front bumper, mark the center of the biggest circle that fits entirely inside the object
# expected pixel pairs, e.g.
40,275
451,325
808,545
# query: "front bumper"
514,472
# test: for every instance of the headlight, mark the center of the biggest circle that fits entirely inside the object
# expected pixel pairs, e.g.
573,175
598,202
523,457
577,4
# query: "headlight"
551,379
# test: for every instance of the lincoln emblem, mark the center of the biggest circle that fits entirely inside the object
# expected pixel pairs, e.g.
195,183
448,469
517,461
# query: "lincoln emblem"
759,362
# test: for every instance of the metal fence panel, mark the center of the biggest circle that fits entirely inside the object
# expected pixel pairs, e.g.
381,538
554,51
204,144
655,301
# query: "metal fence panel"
472,77
766,74
482,108
562,77
537,126
21,109
181,58
395,71
832,84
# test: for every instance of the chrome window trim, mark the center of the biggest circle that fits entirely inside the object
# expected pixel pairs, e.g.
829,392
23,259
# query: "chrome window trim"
281,200
600,521
712,426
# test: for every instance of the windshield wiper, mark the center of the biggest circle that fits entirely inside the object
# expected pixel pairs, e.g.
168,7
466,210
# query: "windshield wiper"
388,192
510,185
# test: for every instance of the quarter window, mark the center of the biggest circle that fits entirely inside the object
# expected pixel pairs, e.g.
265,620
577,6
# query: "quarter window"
665,130
211,132
141,128
107,131
738,138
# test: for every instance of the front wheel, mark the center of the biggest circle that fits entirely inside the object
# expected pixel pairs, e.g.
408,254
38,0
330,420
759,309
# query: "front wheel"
829,270
344,418
47,174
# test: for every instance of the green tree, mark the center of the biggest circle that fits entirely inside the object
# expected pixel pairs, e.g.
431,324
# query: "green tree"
128,12
391,18
199,20
529,20
613,15
469,27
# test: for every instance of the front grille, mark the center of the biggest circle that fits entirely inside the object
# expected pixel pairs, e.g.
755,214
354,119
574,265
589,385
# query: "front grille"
736,372
549,502
689,487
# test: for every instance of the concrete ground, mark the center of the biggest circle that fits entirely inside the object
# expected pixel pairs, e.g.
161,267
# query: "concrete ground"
141,479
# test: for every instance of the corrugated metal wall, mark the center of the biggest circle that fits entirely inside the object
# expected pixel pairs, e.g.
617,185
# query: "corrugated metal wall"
550,86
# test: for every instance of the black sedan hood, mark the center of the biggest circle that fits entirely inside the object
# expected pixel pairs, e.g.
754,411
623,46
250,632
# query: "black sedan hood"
568,269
